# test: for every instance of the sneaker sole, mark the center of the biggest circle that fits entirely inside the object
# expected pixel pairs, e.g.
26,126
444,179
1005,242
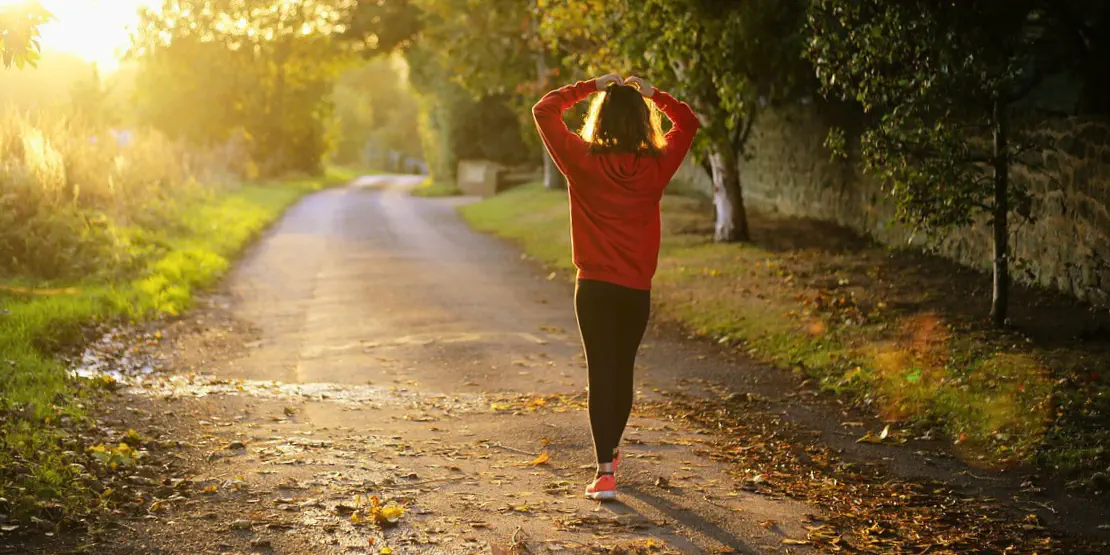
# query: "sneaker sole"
602,495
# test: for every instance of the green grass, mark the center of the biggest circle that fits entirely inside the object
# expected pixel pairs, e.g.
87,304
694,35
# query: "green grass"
36,395
994,400
432,188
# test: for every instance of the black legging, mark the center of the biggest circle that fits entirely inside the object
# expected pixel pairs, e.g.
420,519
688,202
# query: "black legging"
612,320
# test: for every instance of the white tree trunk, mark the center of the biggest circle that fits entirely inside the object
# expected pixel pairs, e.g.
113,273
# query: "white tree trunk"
552,178
728,197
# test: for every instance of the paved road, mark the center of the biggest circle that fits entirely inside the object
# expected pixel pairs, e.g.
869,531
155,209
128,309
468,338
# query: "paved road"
423,362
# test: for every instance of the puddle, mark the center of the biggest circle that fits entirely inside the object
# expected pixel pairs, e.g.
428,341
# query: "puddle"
120,354
200,385
130,358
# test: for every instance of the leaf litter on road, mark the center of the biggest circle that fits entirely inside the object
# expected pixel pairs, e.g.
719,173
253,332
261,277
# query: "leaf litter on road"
866,511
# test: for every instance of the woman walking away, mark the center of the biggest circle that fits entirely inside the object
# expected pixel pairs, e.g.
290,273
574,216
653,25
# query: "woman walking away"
617,170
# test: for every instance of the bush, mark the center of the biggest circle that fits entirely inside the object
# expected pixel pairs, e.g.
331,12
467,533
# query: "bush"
74,199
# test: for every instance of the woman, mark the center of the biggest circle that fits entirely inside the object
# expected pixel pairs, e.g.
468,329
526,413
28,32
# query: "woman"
616,170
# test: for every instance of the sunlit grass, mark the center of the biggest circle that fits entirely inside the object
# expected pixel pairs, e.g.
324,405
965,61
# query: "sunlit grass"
195,250
911,368
431,188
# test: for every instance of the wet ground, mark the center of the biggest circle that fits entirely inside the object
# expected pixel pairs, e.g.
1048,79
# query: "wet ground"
372,345
374,377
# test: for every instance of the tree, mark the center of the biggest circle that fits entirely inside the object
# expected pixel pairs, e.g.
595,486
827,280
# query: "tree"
19,33
468,60
727,59
940,81
265,67
493,50
455,122
374,106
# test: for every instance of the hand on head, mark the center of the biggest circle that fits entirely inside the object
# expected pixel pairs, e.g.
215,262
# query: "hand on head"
605,81
641,85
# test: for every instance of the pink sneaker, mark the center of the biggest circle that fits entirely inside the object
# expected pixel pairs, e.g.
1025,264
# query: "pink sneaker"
603,488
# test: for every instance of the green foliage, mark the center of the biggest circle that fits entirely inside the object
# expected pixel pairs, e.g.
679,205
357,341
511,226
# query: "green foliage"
262,70
193,248
69,193
383,27
940,81
474,64
931,73
726,59
487,46
454,124
374,107
19,32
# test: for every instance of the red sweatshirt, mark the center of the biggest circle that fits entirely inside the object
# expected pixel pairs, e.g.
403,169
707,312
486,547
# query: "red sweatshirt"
614,197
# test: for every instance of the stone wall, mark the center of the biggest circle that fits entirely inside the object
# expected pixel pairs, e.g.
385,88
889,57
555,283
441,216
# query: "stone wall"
1066,247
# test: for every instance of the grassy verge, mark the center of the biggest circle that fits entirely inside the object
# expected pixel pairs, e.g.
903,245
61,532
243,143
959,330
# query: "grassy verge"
432,188
42,410
878,328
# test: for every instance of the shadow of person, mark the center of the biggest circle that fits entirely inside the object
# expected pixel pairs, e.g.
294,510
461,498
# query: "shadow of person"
683,515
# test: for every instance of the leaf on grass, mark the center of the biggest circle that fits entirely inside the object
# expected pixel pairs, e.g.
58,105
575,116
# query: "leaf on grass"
542,459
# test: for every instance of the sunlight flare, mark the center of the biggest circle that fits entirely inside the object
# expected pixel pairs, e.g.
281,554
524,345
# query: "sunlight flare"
96,30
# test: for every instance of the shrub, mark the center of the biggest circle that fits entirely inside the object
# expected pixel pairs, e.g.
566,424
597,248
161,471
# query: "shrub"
75,199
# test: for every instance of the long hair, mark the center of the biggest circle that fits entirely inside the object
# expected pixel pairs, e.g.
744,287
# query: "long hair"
622,120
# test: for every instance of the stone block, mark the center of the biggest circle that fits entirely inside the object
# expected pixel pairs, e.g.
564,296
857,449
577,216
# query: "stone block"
478,177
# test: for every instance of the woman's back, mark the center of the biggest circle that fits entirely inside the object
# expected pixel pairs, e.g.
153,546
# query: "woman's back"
616,176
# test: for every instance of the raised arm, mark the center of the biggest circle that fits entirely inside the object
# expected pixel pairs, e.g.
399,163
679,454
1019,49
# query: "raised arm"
564,145
681,136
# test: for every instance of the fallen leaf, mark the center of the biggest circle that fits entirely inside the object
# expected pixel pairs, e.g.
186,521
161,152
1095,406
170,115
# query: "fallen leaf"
542,459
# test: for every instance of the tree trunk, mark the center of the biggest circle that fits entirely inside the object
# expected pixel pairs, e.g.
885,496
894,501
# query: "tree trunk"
728,197
1001,296
553,179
